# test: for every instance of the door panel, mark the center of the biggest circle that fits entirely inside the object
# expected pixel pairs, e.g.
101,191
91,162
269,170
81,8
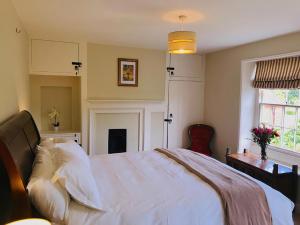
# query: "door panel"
53,57
157,130
186,106
187,65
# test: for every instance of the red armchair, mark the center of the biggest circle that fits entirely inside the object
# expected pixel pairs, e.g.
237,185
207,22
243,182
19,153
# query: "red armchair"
200,137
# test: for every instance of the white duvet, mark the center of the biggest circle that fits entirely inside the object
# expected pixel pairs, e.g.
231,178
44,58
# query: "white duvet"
148,188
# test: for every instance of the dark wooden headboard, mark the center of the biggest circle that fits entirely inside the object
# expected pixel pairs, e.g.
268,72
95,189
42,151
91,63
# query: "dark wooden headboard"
19,137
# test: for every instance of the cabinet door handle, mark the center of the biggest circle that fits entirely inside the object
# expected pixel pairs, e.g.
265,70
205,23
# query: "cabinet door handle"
168,120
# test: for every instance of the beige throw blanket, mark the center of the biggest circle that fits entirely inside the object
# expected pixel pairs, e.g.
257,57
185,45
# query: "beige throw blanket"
244,201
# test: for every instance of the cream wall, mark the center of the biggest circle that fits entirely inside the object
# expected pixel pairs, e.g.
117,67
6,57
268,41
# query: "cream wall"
222,86
103,70
14,79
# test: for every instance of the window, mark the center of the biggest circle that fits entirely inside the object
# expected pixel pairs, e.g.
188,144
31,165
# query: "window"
280,109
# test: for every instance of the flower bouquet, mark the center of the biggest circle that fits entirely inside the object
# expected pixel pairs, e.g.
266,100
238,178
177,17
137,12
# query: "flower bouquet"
263,137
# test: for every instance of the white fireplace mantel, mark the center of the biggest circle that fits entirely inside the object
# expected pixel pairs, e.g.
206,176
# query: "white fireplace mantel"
143,108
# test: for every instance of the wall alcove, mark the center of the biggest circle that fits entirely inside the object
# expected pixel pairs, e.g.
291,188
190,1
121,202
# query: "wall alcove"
60,92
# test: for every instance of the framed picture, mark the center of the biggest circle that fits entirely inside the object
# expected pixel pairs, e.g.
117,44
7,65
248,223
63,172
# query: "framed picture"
127,72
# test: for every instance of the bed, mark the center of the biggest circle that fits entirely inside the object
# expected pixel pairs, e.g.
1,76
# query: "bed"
136,188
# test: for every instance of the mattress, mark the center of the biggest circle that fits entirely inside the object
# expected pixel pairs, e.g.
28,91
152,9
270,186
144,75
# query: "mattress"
147,188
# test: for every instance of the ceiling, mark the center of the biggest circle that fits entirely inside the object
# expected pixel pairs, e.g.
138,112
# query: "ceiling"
145,23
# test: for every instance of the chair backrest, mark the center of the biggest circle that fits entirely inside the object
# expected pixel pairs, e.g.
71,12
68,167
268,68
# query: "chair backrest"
200,136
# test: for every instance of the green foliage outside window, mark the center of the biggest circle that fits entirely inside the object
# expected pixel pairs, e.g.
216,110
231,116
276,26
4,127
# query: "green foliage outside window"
293,97
290,138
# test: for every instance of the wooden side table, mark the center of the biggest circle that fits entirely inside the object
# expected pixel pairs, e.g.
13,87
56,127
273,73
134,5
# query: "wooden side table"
279,177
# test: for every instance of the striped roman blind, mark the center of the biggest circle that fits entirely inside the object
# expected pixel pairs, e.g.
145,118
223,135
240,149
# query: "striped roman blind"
278,73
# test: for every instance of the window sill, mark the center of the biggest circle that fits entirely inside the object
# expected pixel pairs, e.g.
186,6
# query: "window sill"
284,151
288,153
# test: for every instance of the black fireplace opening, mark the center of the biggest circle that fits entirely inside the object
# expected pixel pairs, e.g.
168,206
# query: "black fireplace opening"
117,140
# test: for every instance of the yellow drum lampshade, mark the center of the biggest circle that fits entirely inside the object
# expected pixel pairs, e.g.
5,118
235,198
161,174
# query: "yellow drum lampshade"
33,221
182,42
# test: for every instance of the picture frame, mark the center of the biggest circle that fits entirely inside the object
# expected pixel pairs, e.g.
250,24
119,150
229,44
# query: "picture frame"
127,72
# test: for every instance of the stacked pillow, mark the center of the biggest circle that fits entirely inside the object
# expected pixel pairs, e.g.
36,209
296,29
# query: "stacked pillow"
61,171
75,175
49,198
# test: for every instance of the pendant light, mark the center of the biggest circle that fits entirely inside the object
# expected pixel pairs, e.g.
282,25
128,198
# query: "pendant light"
182,42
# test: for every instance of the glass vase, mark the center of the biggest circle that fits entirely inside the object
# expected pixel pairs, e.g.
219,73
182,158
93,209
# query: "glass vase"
263,152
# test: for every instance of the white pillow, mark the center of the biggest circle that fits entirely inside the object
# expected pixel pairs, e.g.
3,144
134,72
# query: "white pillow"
75,175
51,200
43,166
69,151
47,143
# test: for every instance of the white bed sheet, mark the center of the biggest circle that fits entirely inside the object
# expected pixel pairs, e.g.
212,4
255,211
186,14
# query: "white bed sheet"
148,188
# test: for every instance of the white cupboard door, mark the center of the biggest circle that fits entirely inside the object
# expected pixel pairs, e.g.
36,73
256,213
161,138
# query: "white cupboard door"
53,57
189,66
185,108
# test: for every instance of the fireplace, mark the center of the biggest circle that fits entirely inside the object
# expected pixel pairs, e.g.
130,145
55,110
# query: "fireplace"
141,120
117,140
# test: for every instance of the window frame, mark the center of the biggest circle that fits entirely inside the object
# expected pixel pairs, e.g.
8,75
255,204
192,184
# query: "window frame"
273,147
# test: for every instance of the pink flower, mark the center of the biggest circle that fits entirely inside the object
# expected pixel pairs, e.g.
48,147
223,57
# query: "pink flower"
255,131
269,131
263,135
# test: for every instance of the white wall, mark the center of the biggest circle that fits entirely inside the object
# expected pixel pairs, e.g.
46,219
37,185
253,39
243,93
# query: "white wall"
248,105
14,79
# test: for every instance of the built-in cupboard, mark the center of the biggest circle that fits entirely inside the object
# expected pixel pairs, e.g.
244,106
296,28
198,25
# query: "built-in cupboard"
185,91
53,57
55,84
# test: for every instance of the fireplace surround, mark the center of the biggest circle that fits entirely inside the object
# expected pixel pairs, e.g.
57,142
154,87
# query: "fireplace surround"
143,120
